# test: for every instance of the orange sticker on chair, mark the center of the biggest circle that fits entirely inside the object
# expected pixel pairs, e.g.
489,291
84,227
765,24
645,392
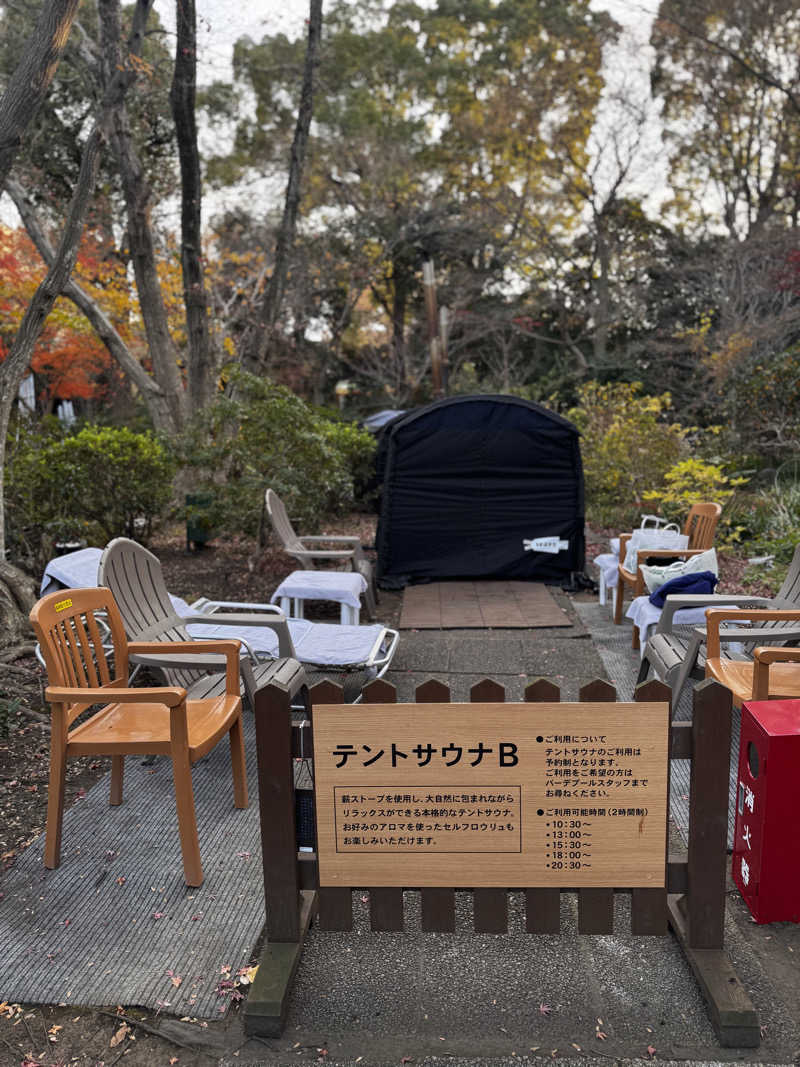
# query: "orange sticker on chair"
62,605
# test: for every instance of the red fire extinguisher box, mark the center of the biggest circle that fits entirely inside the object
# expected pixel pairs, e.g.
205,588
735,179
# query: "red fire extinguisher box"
766,848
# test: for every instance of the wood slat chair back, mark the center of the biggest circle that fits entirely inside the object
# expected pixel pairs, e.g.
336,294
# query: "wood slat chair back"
96,712
701,525
76,652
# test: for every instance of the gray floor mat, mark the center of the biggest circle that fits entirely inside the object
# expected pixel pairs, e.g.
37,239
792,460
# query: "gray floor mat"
621,662
115,924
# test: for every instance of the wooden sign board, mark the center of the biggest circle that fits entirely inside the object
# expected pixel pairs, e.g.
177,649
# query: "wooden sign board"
491,795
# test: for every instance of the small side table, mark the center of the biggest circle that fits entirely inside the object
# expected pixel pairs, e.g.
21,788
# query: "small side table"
344,586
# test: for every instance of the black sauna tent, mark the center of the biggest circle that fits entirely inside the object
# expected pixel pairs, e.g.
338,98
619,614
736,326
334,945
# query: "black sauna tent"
470,484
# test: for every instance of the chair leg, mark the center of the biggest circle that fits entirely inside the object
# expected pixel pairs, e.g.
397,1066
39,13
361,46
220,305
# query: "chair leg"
644,670
187,821
117,776
635,642
236,737
55,807
619,596
601,588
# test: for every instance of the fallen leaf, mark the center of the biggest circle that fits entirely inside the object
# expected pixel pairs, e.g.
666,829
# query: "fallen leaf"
173,1059
578,1047
600,1035
651,1051
121,880
176,980
544,1009
119,1035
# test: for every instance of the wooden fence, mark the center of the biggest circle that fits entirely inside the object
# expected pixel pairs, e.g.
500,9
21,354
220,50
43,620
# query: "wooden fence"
692,902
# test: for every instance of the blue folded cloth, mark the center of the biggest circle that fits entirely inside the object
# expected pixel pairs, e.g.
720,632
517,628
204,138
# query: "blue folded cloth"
694,582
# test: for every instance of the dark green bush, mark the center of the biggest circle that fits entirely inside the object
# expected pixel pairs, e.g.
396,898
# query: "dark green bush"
92,485
261,435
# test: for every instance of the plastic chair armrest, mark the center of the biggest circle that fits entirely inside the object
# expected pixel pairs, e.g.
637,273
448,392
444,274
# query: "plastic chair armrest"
677,601
277,624
332,538
170,696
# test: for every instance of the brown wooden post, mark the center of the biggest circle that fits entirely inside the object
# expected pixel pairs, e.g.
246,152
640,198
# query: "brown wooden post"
708,814
272,709
288,910
596,905
543,905
649,906
698,917
489,906
335,902
385,902
438,903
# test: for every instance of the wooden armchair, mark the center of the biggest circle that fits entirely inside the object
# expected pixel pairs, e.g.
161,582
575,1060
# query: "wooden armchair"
774,671
700,527
82,674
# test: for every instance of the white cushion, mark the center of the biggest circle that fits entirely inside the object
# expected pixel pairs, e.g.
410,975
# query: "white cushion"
655,577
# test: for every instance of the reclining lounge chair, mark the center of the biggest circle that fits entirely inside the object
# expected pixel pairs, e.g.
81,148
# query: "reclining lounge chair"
348,655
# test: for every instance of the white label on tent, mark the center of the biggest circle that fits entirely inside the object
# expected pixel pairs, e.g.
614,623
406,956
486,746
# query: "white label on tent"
545,544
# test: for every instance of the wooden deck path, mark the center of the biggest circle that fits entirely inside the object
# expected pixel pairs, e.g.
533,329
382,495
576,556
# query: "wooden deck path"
479,605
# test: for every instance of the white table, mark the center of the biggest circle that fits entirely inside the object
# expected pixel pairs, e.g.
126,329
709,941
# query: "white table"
344,586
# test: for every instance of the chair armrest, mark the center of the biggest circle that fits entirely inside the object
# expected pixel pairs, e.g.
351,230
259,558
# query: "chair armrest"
763,657
230,649
665,553
714,618
208,607
676,601
277,624
623,544
332,538
313,553
169,696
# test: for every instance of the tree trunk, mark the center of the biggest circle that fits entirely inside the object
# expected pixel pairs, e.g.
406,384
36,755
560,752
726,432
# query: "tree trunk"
29,83
16,364
258,343
182,98
152,395
148,286
17,597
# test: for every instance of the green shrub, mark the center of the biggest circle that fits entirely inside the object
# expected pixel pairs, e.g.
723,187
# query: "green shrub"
628,446
773,522
260,435
92,485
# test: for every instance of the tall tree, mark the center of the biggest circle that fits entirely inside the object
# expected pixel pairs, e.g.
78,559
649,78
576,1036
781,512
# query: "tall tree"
122,73
183,100
439,146
260,337
734,133
28,84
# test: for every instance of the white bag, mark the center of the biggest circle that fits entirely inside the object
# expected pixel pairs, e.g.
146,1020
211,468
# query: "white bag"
650,521
669,537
